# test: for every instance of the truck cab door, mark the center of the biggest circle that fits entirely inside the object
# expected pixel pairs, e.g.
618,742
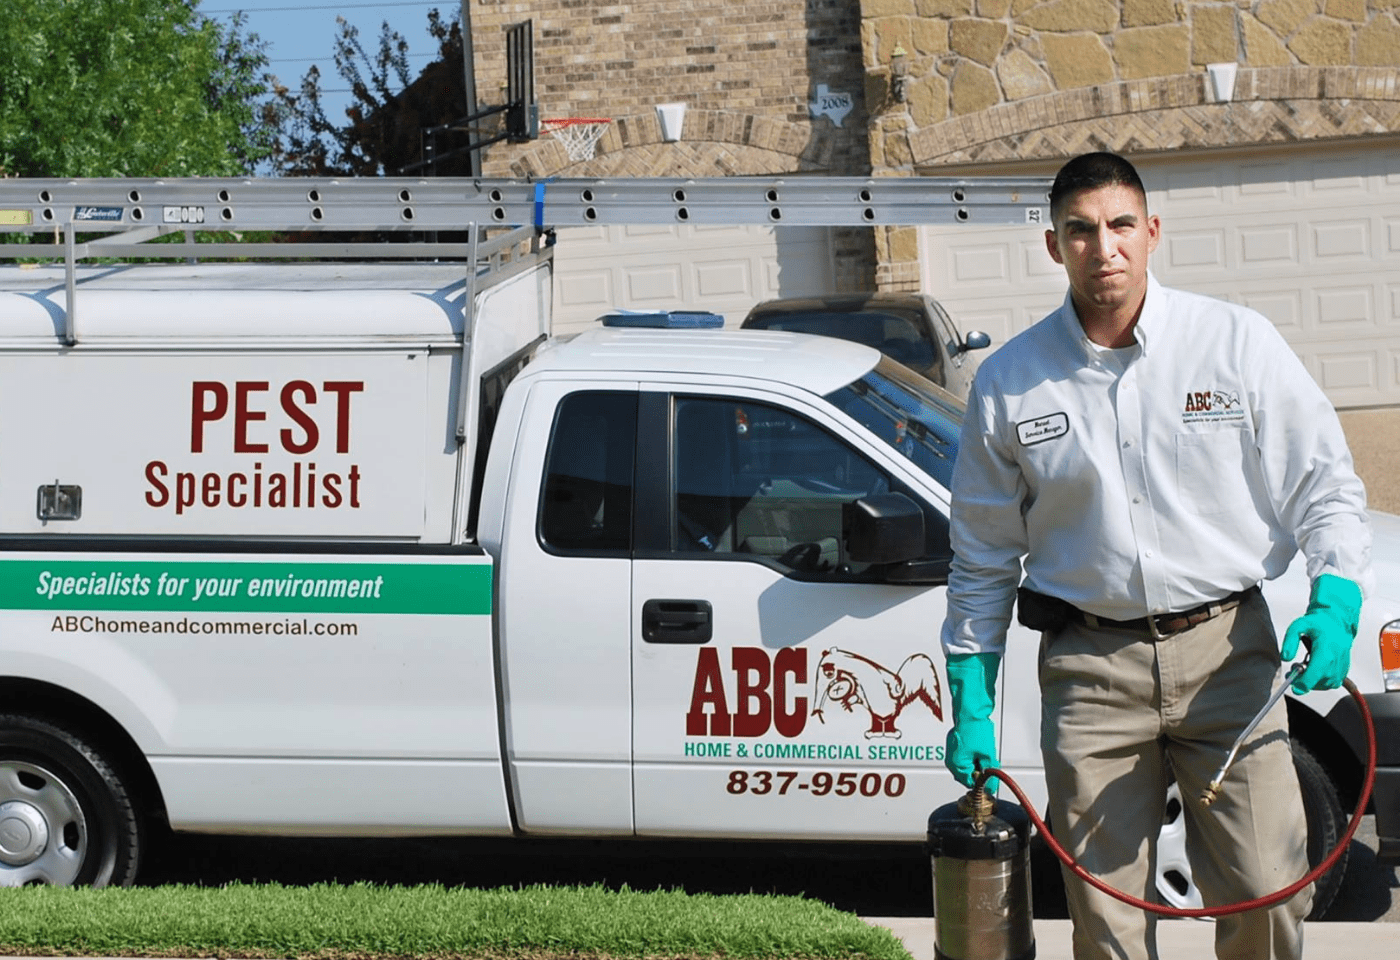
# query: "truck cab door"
564,610
779,689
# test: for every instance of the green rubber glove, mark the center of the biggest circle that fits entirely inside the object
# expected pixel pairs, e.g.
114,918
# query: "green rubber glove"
972,683
1328,628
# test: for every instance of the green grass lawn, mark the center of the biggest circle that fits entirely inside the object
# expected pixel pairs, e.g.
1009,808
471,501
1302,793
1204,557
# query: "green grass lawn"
368,921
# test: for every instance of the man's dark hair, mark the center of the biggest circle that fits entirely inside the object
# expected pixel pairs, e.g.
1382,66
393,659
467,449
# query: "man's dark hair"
1089,171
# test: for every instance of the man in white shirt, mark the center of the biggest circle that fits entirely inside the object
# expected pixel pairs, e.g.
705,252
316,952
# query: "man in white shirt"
1145,457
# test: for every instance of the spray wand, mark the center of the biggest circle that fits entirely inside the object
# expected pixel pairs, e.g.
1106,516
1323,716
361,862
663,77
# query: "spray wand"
1212,790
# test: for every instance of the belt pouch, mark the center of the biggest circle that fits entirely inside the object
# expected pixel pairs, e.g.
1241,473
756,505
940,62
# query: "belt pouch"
1042,612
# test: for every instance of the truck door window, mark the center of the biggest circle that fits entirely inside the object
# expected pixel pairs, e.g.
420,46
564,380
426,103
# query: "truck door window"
588,486
753,480
923,424
945,331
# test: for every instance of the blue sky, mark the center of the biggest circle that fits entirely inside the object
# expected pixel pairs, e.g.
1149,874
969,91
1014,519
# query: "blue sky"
303,32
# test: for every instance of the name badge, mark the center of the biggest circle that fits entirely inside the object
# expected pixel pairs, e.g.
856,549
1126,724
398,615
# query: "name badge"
1041,429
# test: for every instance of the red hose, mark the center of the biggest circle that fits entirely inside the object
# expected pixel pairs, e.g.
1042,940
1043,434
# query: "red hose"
1266,901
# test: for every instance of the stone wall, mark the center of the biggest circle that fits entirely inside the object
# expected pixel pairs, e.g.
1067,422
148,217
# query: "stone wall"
750,73
968,56
996,81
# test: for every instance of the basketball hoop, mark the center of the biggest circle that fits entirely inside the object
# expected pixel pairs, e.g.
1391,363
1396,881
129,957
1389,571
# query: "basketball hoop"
580,135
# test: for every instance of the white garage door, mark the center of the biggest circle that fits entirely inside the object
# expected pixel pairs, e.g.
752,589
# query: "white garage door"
685,267
1308,237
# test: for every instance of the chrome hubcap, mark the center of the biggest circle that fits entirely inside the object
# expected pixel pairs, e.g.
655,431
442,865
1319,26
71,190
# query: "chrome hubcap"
43,833
23,833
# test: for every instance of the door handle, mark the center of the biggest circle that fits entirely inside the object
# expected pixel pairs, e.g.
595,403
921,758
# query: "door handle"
677,621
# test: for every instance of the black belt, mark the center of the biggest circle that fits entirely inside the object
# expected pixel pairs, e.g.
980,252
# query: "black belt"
1165,624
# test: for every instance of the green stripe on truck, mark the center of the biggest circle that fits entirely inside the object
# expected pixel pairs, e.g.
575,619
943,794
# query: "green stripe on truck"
262,586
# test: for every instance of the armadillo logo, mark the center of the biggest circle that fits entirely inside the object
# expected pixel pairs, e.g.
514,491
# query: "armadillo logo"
763,695
850,681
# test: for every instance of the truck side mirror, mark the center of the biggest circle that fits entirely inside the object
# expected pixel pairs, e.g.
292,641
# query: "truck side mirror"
883,528
976,340
887,530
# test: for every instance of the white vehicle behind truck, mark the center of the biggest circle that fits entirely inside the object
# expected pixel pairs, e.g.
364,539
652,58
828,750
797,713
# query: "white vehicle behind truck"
359,550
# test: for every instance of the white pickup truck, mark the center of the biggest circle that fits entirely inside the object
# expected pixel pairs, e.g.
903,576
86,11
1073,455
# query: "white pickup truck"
346,550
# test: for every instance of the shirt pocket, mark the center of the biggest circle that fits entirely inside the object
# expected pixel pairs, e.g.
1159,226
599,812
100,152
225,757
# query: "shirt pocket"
1210,472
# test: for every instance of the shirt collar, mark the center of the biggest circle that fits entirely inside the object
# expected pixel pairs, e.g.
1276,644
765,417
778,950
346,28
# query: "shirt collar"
1150,320
1153,318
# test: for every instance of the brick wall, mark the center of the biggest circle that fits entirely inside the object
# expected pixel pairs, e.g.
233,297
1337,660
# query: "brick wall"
749,73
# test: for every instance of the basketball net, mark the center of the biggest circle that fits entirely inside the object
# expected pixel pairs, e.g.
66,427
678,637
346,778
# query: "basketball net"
580,135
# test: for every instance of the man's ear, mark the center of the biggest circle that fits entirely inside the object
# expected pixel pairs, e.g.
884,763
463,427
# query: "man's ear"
1054,248
1154,232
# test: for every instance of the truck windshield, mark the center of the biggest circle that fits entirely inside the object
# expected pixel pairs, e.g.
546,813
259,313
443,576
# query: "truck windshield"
909,413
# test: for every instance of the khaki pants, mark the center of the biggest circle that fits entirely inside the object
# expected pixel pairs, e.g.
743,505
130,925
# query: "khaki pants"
1120,712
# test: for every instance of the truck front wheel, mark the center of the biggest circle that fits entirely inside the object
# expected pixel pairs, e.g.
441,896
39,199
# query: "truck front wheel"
66,816
1327,821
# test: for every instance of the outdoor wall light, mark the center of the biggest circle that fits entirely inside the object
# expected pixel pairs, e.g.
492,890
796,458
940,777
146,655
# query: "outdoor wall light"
899,73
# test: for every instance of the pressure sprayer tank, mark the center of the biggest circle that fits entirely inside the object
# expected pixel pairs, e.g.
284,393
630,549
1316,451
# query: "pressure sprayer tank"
981,881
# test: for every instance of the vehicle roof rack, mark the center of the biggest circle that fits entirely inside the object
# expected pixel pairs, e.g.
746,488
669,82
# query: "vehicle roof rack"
119,217
127,206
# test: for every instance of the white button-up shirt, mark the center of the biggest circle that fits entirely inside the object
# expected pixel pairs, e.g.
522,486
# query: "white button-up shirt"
1147,479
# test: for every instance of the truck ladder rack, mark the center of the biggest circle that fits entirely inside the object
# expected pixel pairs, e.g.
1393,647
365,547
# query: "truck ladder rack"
446,204
120,216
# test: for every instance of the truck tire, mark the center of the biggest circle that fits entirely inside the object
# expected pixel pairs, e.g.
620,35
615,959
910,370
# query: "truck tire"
66,816
1326,822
